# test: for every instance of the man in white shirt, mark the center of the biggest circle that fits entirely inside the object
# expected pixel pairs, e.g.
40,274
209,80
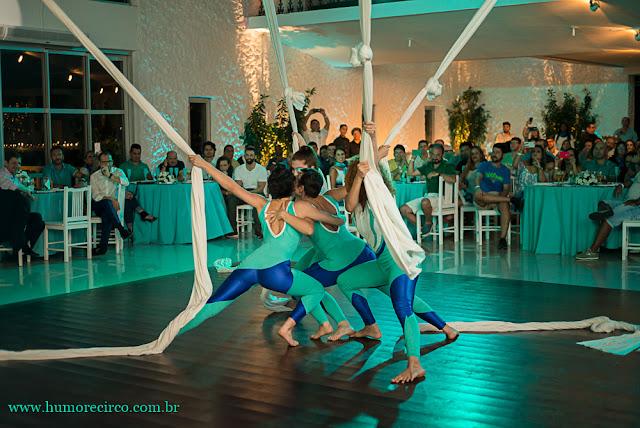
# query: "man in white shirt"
252,177
17,224
315,134
104,191
504,137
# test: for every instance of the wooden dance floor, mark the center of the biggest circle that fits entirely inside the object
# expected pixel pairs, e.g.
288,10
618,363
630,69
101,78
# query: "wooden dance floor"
234,371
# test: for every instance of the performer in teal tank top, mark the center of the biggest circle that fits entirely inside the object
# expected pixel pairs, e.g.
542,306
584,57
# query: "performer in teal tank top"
269,265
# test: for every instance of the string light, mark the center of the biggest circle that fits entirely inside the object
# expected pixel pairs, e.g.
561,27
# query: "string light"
116,91
20,58
101,91
70,77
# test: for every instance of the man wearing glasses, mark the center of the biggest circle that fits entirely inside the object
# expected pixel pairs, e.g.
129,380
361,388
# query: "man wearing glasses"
105,185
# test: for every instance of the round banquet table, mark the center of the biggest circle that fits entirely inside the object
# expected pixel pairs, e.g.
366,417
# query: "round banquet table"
49,205
171,203
407,192
556,219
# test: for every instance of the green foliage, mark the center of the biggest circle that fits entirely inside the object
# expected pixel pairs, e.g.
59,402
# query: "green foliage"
467,119
266,136
575,113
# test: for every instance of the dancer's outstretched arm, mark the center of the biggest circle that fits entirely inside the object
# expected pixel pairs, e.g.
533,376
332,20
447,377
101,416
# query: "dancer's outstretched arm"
337,194
352,199
253,199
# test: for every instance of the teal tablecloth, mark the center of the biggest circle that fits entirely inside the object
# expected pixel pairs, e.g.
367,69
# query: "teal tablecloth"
49,206
171,203
556,219
408,192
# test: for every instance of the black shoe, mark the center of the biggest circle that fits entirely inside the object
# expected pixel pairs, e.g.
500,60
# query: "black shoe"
518,203
604,211
98,251
27,251
144,215
125,233
502,244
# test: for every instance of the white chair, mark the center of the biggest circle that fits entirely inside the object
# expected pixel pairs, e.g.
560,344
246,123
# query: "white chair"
20,254
114,237
467,207
328,182
76,215
626,245
448,205
244,218
485,215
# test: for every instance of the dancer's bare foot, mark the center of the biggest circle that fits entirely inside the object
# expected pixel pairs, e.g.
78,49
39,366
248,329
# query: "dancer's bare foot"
452,334
285,332
413,371
344,329
324,329
371,331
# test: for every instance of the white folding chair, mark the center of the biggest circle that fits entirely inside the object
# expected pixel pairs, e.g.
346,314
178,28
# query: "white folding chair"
20,254
114,237
76,215
466,207
485,215
626,245
244,218
447,205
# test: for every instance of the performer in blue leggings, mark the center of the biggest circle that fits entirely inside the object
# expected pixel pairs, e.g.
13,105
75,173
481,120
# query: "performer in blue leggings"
270,264
336,250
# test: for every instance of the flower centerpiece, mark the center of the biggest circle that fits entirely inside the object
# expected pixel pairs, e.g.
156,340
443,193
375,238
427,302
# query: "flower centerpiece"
166,178
26,180
586,178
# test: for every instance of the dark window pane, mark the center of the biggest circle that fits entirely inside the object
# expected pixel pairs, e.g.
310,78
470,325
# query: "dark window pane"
67,131
106,94
197,125
24,133
21,79
66,80
107,129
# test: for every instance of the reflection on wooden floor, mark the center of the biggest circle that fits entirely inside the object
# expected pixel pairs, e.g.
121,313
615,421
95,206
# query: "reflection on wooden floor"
234,371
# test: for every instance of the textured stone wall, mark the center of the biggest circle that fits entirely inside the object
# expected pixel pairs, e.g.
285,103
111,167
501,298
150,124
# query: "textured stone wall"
193,48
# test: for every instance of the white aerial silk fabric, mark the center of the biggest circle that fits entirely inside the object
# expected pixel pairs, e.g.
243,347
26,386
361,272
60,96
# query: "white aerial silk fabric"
405,252
202,287
293,99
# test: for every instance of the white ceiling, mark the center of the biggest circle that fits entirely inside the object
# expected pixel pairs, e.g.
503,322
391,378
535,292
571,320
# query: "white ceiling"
519,28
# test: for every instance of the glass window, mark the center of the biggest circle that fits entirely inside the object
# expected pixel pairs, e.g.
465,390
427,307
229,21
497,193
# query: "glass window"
107,129
105,92
67,131
66,81
21,79
24,133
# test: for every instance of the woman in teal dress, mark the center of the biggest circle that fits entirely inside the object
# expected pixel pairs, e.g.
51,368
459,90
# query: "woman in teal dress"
269,265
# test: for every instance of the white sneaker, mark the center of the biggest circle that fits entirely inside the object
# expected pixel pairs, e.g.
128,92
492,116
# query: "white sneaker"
587,255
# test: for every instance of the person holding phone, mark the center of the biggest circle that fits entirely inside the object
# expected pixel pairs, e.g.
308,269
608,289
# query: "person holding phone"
313,133
399,165
567,166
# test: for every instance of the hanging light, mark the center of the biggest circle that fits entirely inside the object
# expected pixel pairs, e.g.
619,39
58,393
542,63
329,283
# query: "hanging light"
20,58
594,5
101,91
70,77
116,91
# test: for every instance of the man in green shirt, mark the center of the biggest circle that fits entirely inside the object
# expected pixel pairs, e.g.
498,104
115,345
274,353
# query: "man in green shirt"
61,174
134,168
432,170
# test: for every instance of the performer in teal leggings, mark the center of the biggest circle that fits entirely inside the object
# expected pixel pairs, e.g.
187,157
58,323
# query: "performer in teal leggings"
335,250
269,265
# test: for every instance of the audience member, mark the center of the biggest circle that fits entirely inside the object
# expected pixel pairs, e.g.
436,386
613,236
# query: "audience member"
87,169
611,146
209,155
586,153
223,164
515,145
398,165
468,175
315,134
331,150
61,174
529,172
493,182
600,165
611,214
314,146
252,177
564,136
551,147
618,160
567,167
173,166
278,158
342,140
306,158
135,169
448,151
625,133
336,174
354,146
104,191
631,163
325,162
18,225
228,153
459,161
423,146
504,137
530,132
588,135
432,170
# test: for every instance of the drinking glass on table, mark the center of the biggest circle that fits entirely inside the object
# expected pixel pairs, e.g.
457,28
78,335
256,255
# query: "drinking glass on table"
599,176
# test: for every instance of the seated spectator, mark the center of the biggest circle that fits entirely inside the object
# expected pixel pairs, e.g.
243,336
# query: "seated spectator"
625,133
618,159
252,177
342,140
611,146
600,165
87,169
549,161
228,153
315,134
331,151
61,174
588,135
504,137
631,146
567,168
631,163
339,168
325,161
566,145
314,146
564,139
423,146
448,152
515,145
398,165
18,225
459,161
306,158
586,153
134,168
173,166
278,158
104,191
468,175
354,146
493,182
432,170
551,146
209,155
224,165
529,172
611,214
